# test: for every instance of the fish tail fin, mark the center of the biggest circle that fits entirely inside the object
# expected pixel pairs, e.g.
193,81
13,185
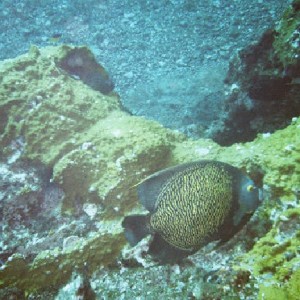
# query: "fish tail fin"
136,228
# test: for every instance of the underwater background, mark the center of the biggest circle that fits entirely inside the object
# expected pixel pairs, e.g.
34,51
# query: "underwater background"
97,95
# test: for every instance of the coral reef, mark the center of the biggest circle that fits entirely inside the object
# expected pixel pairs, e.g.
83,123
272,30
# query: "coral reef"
70,157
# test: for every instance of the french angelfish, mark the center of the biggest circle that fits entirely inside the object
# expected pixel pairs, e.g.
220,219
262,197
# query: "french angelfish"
189,206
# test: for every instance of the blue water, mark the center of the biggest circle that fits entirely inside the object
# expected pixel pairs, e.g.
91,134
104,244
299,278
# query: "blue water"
165,57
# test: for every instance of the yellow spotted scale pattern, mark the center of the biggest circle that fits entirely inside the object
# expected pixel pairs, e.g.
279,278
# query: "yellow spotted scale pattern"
192,205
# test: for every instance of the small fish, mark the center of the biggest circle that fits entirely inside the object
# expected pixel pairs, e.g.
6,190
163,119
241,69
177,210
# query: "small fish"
189,206
55,38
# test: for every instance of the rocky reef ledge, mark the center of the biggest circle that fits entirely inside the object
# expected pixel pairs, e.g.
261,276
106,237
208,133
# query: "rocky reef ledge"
70,158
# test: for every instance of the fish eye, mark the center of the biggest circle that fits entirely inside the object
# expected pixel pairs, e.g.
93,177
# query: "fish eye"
250,188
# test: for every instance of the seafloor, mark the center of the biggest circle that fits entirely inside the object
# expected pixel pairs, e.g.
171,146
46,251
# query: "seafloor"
96,96
165,57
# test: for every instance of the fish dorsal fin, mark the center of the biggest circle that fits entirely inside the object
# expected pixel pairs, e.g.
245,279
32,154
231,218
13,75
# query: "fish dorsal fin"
150,187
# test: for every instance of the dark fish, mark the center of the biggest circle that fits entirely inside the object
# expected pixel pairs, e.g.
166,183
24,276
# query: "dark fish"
189,206
55,37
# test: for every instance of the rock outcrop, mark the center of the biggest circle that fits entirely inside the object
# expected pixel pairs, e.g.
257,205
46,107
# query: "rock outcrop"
263,90
74,156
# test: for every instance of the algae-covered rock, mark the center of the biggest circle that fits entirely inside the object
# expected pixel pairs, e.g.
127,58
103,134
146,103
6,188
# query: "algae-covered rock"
262,84
289,290
274,260
113,155
78,132
44,105
287,40
54,267
92,155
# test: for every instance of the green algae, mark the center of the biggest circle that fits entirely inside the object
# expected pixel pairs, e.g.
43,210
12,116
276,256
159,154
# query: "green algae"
274,260
98,153
54,267
92,146
287,290
45,105
112,157
280,158
287,40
